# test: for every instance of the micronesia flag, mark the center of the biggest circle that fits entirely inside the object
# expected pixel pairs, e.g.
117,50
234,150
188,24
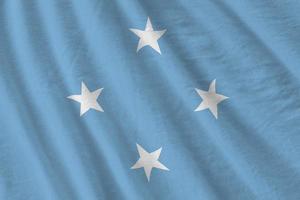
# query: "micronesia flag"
149,100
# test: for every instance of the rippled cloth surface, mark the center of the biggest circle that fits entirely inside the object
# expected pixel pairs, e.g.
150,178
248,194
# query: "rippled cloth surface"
49,151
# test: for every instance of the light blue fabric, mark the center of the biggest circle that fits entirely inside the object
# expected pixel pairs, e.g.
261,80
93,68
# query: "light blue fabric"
48,47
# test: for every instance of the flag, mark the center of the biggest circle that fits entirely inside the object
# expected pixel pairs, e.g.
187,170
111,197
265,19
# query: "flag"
127,99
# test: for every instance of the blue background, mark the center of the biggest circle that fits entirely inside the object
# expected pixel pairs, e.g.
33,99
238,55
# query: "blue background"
252,49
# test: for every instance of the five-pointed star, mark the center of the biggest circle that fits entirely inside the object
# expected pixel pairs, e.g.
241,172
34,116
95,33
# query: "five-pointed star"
148,36
87,99
148,161
210,99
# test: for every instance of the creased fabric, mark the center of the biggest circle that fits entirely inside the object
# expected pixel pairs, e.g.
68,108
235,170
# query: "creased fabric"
243,147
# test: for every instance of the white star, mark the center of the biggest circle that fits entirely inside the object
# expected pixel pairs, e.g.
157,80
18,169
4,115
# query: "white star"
210,99
148,36
148,161
87,99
